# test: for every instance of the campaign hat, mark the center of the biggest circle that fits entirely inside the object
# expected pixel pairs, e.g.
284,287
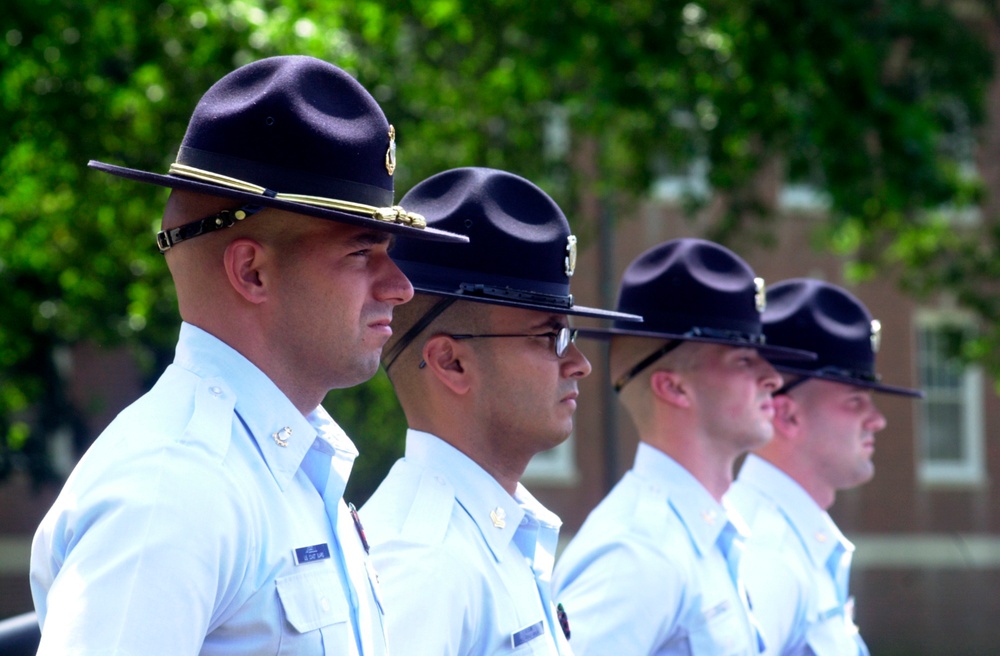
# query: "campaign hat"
812,314
694,290
521,253
293,133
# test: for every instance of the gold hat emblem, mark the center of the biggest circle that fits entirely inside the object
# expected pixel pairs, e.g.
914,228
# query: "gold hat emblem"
760,296
498,517
282,436
390,154
570,255
876,336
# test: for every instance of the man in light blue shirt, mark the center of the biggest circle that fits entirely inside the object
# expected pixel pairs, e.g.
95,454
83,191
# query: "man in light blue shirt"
486,371
208,518
798,562
655,569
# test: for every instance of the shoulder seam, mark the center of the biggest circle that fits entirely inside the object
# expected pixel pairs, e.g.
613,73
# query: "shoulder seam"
430,512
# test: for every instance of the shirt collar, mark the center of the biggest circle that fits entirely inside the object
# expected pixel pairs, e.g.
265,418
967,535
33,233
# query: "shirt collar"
267,414
537,537
702,516
496,513
814,526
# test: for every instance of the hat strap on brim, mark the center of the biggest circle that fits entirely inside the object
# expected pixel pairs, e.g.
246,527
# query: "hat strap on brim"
645,363
857,375
394,214
553,301
788,387
166,239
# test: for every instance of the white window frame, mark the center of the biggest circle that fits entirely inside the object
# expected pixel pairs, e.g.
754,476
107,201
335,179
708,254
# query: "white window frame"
971,471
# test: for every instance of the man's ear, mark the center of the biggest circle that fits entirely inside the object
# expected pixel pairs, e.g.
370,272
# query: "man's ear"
787,416
670,387
447,360
243,259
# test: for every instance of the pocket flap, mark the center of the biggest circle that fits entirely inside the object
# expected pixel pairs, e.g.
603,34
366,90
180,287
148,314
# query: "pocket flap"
312,600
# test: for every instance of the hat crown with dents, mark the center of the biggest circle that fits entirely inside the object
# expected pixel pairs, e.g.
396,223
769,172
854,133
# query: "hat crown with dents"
694,290
293,124
521,252
816,315
685,284
295,133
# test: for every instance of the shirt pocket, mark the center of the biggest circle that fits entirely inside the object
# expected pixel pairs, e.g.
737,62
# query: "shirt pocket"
833,635
720,631
317,611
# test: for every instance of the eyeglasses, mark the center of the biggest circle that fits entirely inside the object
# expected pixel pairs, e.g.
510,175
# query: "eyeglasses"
561,339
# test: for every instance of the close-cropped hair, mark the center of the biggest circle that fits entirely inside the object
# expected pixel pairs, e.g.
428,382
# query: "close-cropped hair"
458,317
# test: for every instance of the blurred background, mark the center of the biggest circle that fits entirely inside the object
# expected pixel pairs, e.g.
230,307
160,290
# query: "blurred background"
854,141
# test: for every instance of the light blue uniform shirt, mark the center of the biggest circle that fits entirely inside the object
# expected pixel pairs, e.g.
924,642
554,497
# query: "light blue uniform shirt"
465,568
788,565
177,532
646,574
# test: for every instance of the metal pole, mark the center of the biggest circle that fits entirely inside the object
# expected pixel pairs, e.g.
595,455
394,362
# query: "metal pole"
608,291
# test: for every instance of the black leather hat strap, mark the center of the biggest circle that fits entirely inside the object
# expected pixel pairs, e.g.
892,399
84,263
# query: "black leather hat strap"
417,328
166,239
790,385
645,363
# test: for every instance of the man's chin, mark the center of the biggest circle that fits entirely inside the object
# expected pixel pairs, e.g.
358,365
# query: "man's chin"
759,438
362,371
554,439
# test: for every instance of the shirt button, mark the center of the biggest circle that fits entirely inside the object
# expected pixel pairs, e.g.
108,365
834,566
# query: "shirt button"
325,604
216,391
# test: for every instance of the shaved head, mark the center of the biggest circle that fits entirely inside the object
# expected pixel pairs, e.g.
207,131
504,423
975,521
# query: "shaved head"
626,351
459,317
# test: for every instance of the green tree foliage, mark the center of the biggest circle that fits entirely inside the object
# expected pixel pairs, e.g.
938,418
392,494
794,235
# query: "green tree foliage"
858,98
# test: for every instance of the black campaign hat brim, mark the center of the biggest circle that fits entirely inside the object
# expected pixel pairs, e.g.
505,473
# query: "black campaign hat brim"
178,182
854,382
767,351
573,310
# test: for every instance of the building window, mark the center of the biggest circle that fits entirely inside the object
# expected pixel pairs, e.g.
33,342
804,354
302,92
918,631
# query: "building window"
951,414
